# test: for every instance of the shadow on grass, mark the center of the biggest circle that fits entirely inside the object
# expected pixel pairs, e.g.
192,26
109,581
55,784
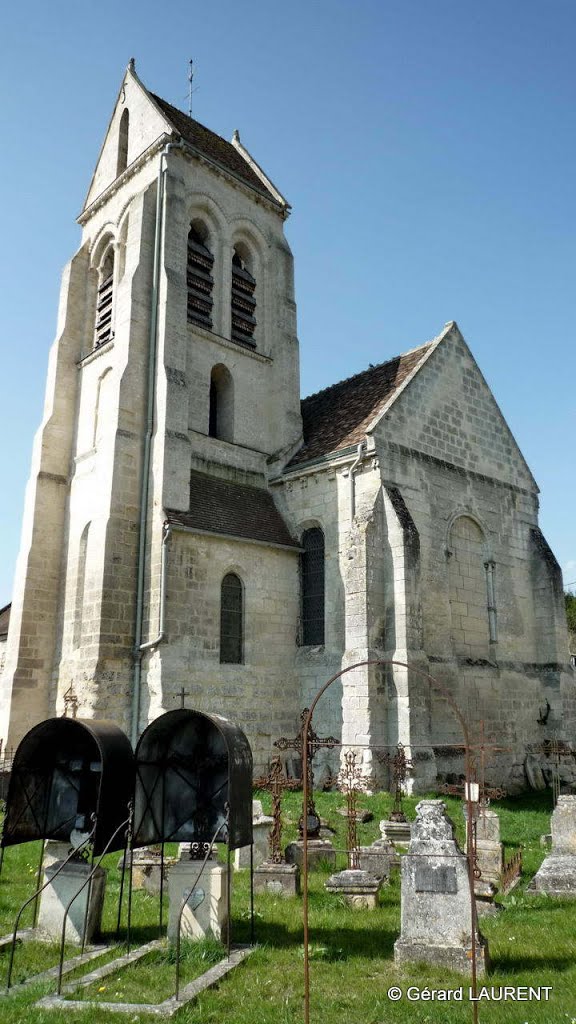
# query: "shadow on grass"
514,965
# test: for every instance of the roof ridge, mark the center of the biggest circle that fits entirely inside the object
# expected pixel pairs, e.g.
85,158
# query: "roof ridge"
375,366
192,120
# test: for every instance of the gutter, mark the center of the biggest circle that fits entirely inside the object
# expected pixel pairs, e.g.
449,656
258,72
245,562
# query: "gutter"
167,530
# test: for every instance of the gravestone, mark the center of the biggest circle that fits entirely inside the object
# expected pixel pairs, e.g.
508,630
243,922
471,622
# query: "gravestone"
488,845
398,832
359,888
261,824
378,859
279,878
205,913
436,902
86,910
557,874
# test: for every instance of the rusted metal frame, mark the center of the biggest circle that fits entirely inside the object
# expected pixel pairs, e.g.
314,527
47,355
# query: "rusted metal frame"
511,868
446,695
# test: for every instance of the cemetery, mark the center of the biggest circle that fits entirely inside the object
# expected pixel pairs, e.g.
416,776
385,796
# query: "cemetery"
172,883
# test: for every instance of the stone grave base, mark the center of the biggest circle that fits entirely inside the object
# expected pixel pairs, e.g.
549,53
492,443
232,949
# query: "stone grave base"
283,879
378,858
556,876
83,915
361,816
358,888
146,868
206,911
398,832
453,957
319,850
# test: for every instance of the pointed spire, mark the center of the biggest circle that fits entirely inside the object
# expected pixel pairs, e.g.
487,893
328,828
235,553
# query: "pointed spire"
236,135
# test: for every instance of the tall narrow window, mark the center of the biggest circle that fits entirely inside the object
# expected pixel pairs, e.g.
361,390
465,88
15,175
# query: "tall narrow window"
243,301
231,624
104,330
221,408
200,262
122,161
472,592
312,583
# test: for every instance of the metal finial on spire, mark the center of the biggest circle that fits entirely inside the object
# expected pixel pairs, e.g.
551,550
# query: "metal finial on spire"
190,80
132,64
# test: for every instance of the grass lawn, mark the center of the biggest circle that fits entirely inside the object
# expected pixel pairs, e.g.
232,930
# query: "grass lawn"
532,943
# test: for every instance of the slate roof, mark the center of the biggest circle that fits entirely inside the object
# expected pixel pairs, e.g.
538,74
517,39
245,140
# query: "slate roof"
239,510
211,145
338,416
4,620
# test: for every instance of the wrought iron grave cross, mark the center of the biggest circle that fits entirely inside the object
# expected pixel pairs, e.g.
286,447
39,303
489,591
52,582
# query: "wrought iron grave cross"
275,782
314,743
351,783
399,766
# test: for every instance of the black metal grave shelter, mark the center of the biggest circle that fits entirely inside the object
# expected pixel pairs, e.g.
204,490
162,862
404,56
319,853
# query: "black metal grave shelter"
193,773
70,776
193,785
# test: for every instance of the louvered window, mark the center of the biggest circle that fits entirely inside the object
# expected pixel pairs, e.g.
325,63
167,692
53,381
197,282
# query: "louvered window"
231,624
243,303
200,281
312,583
104,300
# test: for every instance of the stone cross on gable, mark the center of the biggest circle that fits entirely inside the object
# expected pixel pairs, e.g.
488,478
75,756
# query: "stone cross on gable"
275,783
314,743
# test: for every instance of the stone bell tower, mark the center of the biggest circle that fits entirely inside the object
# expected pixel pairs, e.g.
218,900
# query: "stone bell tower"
175,358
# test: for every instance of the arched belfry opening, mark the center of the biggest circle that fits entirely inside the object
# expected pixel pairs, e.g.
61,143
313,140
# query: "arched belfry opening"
199,279
221,407
243,302
104,300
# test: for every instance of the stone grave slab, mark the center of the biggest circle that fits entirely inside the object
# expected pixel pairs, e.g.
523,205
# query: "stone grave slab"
436,903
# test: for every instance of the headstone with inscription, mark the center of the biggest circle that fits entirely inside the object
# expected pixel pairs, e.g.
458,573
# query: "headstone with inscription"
436,902
557,874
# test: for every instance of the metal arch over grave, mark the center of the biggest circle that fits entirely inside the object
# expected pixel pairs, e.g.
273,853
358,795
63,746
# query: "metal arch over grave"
194,785
66,774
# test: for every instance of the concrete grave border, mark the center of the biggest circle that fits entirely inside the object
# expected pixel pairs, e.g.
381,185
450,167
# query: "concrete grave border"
167,1008
91,953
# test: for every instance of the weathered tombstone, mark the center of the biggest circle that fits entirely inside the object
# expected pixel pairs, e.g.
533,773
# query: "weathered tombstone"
359,888
397,832
557,874
436,902
378,858
85,912
206,911
488,845
261,824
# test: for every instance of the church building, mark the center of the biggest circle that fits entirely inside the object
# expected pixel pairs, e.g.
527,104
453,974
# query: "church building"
193,531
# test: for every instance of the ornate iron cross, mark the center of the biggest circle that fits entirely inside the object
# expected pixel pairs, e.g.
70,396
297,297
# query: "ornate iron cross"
400,766
275,782
314,744
351,783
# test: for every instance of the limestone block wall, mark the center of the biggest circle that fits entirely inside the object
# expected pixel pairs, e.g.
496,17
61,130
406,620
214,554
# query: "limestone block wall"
471,525
261,694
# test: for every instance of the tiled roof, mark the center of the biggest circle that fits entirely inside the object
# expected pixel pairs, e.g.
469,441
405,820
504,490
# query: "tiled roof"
337,417
4,620
222,506
211,145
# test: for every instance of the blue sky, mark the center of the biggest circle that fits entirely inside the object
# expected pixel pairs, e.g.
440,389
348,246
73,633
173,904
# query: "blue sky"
428,150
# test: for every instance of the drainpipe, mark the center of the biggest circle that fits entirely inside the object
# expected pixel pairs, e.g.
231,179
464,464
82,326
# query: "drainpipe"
167,530
147,446
353,468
